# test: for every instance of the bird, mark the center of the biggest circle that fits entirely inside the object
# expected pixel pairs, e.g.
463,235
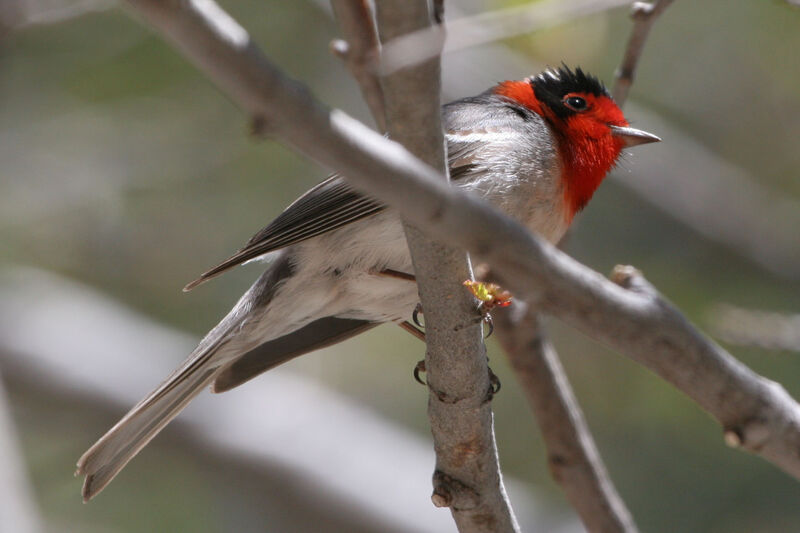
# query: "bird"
338,262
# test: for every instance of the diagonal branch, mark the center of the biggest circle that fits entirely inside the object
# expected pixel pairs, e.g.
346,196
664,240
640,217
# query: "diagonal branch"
467,477
630,316
644,15
572,456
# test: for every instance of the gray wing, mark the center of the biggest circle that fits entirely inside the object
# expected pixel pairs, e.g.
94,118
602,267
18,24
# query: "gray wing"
333,204
329,205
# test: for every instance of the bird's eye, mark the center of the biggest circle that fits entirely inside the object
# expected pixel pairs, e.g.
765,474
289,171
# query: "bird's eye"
576,103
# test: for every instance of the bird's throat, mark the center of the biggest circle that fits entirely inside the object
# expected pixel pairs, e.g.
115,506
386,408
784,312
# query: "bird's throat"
585,164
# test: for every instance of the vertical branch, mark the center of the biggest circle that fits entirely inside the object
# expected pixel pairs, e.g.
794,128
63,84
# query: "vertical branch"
572,456
360,49
467,477
644,15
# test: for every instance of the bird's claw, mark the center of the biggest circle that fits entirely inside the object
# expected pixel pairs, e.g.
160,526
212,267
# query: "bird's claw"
494,385
415,316
487,318
419,368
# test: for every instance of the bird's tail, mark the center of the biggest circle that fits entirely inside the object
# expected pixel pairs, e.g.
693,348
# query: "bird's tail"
103,461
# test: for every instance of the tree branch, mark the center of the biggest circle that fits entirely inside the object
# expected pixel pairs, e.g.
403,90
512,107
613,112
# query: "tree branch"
631,317
572,456
644,15
467,477
360,50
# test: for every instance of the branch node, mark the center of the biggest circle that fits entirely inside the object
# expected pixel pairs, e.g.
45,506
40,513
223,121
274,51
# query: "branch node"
339,48
641,10
557,462
733,438
626,276
451,492
440,499
259,126
443,396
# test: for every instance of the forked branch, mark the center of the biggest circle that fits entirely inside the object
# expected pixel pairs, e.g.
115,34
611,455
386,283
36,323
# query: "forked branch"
629,316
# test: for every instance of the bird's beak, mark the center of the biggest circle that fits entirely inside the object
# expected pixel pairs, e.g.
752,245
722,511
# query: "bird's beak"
632,136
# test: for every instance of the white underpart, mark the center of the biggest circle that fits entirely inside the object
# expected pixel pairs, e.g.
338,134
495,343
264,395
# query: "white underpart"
338,273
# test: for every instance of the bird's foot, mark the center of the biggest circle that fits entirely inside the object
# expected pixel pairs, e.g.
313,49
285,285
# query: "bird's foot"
494,385
418,369
415,316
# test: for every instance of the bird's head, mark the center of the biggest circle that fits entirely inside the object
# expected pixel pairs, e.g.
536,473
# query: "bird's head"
589,126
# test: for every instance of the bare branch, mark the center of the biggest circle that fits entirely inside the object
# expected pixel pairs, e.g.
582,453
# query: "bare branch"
644,15
360,50
749,327
572,455
757,414
455,361
486,27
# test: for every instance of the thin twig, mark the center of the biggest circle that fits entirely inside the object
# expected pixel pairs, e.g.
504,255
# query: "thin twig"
644,15
573,458
469,484
758,414
360,49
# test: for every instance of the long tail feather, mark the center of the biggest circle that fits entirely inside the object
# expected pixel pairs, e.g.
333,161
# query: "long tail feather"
103,461
223,344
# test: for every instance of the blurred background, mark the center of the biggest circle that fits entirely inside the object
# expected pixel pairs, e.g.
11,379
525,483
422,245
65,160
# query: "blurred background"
124,174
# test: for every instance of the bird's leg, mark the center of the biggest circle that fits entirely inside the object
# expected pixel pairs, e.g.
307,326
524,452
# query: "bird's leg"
409,327
420,366
388,272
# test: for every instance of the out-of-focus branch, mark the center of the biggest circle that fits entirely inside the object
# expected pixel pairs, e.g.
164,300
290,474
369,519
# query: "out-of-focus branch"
360,50
630,316
17,507
644,15
18,14
486,27
750,327
573,458
467,477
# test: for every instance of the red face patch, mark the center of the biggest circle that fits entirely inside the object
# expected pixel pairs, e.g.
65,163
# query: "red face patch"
587,148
